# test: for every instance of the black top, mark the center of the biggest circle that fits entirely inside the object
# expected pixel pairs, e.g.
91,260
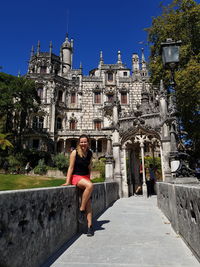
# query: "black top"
81,165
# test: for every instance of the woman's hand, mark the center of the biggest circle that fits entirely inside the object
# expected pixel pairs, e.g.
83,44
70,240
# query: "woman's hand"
65,184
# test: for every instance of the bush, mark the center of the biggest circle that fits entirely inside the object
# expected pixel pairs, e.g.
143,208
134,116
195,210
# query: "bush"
61,162
99,165
41,168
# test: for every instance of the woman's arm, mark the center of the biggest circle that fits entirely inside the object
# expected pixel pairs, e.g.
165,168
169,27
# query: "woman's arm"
71,167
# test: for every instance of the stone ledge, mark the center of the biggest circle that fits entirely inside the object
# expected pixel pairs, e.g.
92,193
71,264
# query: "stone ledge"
35,223
180,204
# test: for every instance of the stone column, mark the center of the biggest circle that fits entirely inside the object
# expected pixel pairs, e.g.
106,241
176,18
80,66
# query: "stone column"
125,189
144,187
52,126
116,156
109,162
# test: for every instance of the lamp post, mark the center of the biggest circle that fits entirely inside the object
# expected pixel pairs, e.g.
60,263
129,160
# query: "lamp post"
170,58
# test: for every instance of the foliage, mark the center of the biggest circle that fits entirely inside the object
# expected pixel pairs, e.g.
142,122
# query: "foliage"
4,142
156,162
98,180
19,99
180,21
41,168
99,165
61,162
15,182
15,163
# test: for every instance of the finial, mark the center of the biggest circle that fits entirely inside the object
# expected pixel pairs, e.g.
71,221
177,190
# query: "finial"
101,57
143,58
119,60
32,51
50,47
161,85
81,66
38,47
19,74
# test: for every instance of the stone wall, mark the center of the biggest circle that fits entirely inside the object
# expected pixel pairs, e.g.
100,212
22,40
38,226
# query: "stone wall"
35,223
181,205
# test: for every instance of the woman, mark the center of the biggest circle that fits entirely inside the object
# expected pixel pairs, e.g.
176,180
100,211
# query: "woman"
79,174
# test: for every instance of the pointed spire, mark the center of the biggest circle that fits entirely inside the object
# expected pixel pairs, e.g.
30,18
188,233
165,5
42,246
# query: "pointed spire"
19,74
161,85
50,47
119,60
143,60
32,51
81,66
101,58
38,48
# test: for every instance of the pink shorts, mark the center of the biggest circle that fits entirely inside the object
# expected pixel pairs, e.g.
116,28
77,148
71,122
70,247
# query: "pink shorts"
76,178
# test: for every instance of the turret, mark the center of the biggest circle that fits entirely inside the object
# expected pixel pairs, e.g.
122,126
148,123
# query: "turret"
143,65
135,63
66,55
119,60
101,62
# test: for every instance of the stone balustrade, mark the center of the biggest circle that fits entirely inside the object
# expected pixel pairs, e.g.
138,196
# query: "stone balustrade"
35,223
181,205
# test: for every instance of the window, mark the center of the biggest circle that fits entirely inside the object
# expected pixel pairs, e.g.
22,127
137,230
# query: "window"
37,122
110,76
97,125
93,145
125,73
123,98
40,122
99,145
110,98
40,92
73,98
60,94
73,144
43,69
59,124
97,98
72,125
36,143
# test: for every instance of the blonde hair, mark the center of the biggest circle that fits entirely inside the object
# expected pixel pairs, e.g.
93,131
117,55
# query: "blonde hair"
78,148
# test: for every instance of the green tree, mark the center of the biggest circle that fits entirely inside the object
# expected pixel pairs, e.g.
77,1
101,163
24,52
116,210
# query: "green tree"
180,21
4,142
18,100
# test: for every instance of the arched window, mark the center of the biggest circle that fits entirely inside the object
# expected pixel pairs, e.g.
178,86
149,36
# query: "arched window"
60,95
35,123
73,98
59,123
124,98
97,125
110,98
110,76
97,97
40,92
43,69
72,125
38,122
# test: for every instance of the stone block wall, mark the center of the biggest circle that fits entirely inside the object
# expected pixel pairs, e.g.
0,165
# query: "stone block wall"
181,205
35,223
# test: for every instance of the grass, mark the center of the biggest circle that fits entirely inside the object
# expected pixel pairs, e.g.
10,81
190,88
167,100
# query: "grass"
20,181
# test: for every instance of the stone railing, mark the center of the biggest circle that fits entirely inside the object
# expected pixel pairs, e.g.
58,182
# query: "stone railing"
181,205
35,223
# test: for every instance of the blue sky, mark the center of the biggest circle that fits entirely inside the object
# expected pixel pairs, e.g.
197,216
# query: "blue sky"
94,25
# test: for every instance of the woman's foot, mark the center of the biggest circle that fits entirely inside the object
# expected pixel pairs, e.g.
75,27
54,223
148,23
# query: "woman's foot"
81,216
90,231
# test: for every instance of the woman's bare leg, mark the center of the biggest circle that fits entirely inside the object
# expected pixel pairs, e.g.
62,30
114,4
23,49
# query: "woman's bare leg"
87,186
89,213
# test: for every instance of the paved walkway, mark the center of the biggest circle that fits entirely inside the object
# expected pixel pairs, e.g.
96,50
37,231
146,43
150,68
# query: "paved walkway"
133,232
